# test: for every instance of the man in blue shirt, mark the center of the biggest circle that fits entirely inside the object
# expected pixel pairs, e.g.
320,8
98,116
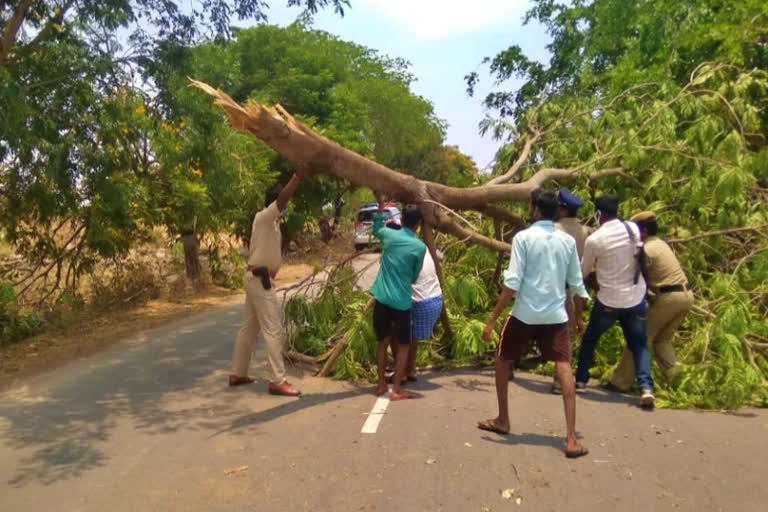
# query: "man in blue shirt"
402,255
543,261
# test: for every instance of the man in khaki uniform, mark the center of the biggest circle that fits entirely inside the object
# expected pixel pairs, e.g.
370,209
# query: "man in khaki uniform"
566,220
262,309
669,299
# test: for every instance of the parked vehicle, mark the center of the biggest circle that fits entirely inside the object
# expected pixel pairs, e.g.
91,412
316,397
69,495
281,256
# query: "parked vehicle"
364,223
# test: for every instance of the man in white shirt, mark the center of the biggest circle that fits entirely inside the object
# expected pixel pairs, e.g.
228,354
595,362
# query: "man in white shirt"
427,296
426,306
612,253
262,309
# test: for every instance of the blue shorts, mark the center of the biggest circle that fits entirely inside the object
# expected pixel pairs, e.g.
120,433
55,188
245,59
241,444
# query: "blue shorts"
424,315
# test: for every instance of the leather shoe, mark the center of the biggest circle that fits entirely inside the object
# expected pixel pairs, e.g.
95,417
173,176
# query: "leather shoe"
283,389
234,380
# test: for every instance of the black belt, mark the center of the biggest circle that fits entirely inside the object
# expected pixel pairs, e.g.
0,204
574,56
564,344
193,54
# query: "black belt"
674,288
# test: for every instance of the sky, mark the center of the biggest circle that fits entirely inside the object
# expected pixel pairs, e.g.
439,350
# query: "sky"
444,40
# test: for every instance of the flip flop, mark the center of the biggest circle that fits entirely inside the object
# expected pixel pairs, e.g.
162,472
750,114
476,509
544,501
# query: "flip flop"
403,395
491,426
576,453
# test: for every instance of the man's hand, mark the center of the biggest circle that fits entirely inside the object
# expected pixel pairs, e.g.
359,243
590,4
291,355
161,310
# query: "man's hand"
578,316
489,328
287,192
379,200
577,326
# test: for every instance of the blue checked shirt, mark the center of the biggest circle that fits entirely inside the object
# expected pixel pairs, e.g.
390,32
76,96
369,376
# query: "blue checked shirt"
543,260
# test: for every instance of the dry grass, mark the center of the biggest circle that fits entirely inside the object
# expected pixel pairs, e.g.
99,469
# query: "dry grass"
55,347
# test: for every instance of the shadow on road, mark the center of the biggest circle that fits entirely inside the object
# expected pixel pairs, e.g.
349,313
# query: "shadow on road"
592,394
528,438
142,386
298,404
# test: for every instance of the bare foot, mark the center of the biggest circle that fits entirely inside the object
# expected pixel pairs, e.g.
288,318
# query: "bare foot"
404,394
574,450
382,390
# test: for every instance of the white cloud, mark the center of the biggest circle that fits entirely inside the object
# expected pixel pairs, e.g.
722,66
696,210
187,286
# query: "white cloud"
438,19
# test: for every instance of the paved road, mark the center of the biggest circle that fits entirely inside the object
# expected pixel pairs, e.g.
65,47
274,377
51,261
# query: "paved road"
150,425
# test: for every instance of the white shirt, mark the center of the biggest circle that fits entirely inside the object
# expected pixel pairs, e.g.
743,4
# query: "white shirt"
612,254
265,247
427,285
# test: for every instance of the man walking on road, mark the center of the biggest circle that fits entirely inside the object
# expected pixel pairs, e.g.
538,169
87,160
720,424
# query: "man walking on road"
612,252
402,256
669,300
262,309
543,260
566,220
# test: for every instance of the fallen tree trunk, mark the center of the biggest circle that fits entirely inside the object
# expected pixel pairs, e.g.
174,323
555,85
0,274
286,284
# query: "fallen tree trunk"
310,154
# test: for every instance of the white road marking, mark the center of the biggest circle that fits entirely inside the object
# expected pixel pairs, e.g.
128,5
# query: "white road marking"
371,424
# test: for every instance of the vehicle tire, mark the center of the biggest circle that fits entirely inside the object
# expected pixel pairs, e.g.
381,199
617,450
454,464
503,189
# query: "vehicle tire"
360,247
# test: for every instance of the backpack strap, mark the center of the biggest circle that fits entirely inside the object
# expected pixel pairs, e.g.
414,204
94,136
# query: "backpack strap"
639,254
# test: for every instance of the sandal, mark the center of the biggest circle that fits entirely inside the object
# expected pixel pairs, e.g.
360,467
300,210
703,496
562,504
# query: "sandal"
580,452
491,426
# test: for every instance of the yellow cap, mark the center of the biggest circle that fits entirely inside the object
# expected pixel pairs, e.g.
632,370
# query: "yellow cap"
643,216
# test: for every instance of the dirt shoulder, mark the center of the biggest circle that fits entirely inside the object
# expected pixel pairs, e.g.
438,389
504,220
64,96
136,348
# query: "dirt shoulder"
56,347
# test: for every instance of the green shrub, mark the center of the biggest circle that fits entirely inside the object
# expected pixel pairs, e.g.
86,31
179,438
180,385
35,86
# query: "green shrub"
15,324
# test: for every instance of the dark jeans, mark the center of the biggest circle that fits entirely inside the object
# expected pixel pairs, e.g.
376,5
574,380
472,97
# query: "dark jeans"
633,324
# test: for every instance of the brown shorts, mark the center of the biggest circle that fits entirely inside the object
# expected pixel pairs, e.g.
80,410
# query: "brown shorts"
553,340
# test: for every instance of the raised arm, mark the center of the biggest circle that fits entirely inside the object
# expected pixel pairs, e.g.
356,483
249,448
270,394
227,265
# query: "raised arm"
379,230
287,192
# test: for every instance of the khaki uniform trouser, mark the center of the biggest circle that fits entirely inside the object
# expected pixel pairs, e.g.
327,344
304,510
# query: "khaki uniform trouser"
262,314
665,314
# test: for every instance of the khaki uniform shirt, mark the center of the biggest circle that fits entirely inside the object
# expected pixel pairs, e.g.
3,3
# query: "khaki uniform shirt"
576,229
661,265
265,247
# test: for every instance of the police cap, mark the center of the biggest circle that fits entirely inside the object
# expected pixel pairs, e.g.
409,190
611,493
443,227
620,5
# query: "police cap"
644,216
566,199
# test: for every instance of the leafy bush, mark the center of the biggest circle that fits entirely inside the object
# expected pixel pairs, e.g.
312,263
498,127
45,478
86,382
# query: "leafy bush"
15,324
226,268
722,355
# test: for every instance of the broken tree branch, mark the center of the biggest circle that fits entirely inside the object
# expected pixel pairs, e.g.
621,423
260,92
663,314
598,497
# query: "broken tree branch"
517,166
310,153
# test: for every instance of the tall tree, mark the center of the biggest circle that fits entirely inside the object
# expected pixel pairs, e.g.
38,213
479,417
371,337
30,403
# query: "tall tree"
73,136
347,91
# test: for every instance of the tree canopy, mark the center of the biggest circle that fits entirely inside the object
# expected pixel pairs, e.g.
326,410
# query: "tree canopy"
661,103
